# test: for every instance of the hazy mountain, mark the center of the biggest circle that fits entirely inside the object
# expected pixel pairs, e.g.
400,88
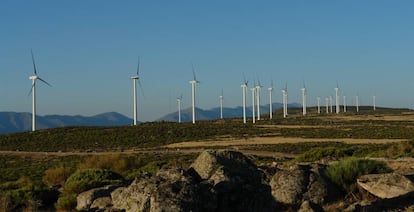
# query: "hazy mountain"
214,113
11,122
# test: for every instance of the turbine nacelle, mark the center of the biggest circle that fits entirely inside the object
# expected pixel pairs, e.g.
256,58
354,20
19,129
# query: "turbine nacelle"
33,77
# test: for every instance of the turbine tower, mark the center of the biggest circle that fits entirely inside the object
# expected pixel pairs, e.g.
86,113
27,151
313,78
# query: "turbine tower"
33,91
344,104
253,101
179,102
374,103
284,100
337,98
258,89
244,89
221,104
135,79
357,103
327,104
303,100
193,84
270,89
331,102
319,104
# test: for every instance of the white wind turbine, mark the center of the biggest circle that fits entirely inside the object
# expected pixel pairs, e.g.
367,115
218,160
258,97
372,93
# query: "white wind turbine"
374,102
258,89
331,103
337,98
193,84
327,104
357,103
253,101
135,79
284,100
33,91
270,89
319,104
303,100
179,102
344,104
221,104
244,89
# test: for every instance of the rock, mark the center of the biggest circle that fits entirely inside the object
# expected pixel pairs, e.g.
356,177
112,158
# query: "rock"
221,166
288,186
170,190
302,182
237,184
102,203
85,199
386,186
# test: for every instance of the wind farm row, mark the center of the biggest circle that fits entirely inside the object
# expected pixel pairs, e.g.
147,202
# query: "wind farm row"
256,94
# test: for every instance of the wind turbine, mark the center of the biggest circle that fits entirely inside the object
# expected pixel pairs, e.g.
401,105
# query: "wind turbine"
258,89
179,102
331,102
327,104
344,104
357,103
135,79
193,84
374,103
33,91
253,101
337,98
319,104
284,100
221,104
303,99
270,89
244,89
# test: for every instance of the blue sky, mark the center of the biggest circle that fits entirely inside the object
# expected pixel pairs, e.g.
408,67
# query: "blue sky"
88,50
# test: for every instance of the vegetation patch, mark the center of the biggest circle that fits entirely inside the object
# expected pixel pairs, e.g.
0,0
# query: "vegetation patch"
345,172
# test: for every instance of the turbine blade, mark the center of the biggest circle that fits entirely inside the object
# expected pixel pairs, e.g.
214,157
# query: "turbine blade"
244,79
140,88
34,64
138,66
31,89
44,81
194,75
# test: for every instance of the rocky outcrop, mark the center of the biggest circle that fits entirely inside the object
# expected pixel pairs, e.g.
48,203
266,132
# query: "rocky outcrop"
386,186
229,181
300,183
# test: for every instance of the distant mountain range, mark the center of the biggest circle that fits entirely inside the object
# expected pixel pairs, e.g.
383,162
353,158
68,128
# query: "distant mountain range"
11,122
214,113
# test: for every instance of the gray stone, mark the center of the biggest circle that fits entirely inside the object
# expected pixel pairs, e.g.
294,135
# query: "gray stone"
101,203
85,199
386,186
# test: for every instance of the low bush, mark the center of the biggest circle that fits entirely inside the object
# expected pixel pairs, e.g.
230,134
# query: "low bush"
84,180
66,202
324,152
56,176
345,172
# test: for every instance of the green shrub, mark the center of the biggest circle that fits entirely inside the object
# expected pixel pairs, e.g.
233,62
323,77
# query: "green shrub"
401,149
323,152
66,202
56,176
345,173
84,180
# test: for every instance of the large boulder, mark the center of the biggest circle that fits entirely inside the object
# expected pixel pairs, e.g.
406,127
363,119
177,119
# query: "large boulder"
386,186
85,199
170,190
237,183
299,183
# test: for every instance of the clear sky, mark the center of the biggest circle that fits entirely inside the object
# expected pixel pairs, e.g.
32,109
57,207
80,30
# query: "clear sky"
88,49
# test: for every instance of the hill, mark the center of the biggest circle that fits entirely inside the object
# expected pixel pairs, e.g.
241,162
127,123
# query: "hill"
214,113
12,122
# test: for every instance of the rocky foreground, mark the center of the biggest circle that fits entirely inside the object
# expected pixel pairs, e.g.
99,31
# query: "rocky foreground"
229,181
